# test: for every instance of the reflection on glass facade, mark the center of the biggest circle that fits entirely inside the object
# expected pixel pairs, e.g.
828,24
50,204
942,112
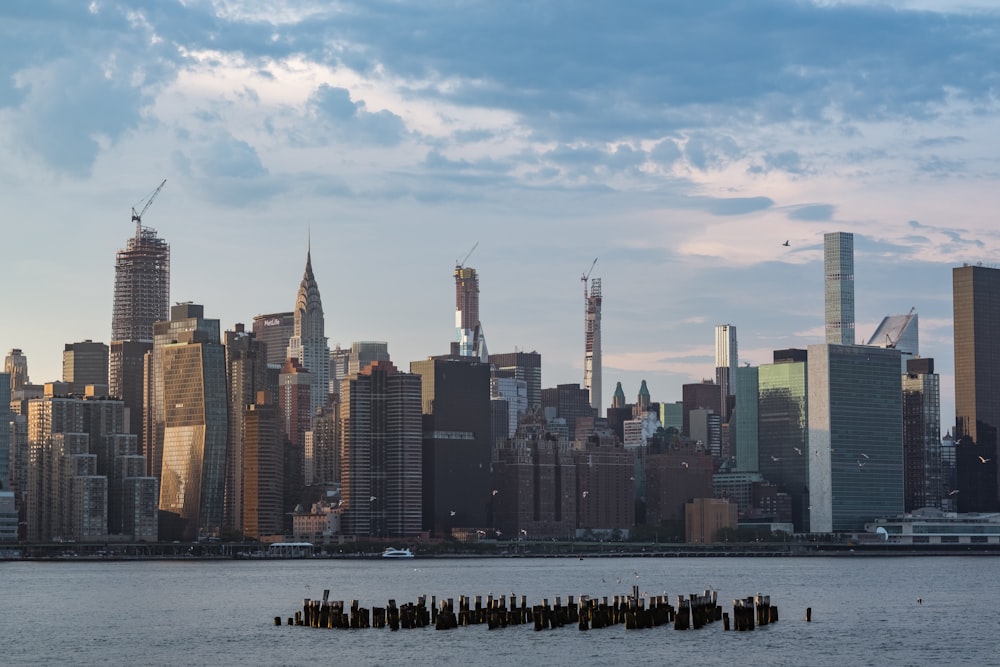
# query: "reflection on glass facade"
745,418
855,434
194,439
976,301
783,433
922,436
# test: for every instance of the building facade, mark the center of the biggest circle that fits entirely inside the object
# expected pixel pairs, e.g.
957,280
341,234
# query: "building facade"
838,274
85,363
141,299
922,480
856,436
726,363
457,443
976,303
783,432
381,452
592,376
195,435
308,343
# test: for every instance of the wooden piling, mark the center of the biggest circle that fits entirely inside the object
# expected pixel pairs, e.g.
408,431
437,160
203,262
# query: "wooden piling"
809,614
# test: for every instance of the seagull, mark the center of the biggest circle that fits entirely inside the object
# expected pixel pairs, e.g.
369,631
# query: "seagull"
372,499
524,531
785,243
684,464
797,451
496,491
865,455
775,458
452,512
951,493
585,493
982,460
861,464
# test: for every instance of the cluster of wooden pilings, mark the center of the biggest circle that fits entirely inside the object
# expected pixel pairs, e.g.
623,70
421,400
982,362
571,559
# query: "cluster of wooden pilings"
633,611
751,611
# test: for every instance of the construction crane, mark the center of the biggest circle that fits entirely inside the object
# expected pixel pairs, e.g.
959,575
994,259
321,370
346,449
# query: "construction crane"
586,276
461,264
889,341
137,217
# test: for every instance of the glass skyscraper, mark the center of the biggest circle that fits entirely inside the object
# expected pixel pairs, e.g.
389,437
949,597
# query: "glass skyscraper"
856,436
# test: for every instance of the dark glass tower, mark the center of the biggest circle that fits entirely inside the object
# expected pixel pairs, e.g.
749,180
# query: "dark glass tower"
976,302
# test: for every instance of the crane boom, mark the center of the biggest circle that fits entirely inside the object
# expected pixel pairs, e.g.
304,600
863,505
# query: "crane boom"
137,217
461,264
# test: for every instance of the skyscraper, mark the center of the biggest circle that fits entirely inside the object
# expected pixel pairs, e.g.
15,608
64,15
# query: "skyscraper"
783,429
142,298
838,273
16,365
381,452
856,436
976,303
592,342
187,322
263,470
308,343
85,363
922,483
527,366
195,432
466,308
274,330
726,362
246,376
457,445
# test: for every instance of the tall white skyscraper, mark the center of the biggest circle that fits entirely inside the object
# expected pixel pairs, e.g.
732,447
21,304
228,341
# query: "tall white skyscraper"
838,272
726,362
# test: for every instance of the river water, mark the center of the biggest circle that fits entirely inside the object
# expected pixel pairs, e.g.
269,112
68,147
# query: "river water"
865,611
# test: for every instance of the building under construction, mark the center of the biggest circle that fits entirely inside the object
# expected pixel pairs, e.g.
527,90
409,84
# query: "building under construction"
142,286
142,297
592,340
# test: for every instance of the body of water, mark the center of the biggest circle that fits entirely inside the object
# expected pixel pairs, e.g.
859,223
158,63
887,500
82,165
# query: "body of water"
865,611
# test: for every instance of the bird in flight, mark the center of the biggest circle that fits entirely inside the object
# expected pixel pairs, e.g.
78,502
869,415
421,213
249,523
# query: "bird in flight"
861,464
452,512
775,458
585,493
951,493
495,491
982,460
865,455
797,451
785,243
684,464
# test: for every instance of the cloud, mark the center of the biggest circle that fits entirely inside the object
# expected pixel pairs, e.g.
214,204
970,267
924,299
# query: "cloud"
738,205
352,122
812,212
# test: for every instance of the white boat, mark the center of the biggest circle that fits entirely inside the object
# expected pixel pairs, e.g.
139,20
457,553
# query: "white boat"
397,553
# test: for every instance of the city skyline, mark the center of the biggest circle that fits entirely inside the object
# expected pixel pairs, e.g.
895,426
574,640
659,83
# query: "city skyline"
397,152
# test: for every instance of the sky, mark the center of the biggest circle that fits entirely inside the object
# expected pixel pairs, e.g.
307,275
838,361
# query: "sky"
681,144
